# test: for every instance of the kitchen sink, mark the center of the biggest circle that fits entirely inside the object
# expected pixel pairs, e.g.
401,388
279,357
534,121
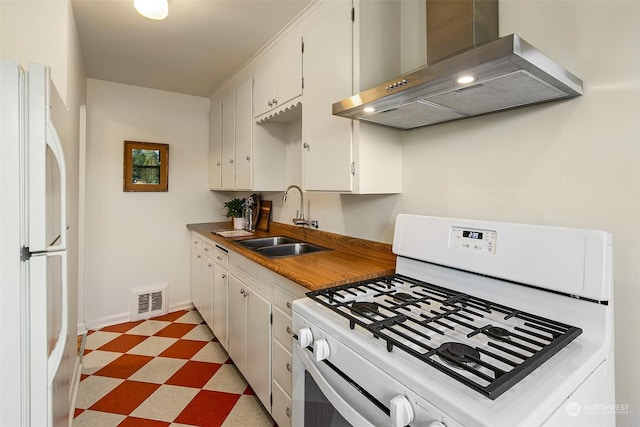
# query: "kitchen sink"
280,246
289,249
267,241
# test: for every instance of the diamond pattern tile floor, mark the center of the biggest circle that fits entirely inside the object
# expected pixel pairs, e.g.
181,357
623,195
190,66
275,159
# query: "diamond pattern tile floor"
169,371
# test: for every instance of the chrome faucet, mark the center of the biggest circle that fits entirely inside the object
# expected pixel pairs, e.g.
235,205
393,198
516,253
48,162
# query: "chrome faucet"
299,219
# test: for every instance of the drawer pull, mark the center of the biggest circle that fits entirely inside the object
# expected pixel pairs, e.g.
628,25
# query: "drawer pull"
288,411
288,366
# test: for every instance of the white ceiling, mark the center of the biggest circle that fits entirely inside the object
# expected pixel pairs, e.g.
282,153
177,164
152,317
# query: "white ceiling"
193,51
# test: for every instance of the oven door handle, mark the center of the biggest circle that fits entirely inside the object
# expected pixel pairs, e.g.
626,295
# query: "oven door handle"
349,414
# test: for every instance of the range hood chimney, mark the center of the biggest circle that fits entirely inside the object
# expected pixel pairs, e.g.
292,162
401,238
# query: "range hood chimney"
470,72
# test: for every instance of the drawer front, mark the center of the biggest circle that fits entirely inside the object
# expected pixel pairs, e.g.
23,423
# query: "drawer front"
221,257
282,367
283,299
201,245
281,410
282,328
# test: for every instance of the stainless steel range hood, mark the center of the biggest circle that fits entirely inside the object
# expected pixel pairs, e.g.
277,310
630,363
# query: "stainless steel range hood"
507,73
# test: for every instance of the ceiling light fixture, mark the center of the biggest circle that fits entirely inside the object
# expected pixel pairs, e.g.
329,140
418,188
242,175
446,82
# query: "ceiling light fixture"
465,79
152,9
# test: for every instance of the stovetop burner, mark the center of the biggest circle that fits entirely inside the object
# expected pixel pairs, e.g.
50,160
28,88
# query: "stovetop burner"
449,330
363,308
498,333
457,354
404,297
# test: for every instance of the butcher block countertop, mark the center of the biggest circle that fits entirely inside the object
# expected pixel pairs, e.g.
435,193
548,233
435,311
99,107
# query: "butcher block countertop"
350,260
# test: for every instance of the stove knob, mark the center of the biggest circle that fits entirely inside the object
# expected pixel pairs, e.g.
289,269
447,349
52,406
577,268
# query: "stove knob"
305,337
321,350
401,411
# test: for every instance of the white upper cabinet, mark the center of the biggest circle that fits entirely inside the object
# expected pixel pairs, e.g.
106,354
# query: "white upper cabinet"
278,78
349,47
215,145
244,136
237,138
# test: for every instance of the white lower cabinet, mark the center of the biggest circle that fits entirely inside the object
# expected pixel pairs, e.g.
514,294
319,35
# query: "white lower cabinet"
249,330
284,292
249,312
202,278
220,291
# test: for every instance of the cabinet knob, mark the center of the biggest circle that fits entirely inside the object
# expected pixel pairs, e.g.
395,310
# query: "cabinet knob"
270,104
288,304
219,258
289,330
218,164
209,265
288,411
198,256
224,276
248,158
307,146
288,366
230,160
275,101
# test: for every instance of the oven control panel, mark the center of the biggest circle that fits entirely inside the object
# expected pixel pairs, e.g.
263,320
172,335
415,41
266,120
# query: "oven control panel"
483,241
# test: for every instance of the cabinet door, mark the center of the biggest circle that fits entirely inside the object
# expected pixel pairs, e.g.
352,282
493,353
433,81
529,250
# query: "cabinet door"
263,87
220,287
215,146
288,75
228,141
196,278
258,369
206,293
237,317
243,136
327,143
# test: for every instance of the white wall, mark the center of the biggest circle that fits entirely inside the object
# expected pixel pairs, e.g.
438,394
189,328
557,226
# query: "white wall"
139,239
573,163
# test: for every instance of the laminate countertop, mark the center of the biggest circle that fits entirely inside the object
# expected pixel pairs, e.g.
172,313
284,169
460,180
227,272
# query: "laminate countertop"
349,259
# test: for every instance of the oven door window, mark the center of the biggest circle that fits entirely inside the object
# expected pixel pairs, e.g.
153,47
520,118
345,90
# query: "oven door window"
324,395
318,411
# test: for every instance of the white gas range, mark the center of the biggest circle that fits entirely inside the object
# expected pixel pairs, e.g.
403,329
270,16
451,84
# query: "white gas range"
483,324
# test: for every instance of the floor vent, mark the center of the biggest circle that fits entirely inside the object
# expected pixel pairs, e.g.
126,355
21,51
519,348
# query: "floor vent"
148,302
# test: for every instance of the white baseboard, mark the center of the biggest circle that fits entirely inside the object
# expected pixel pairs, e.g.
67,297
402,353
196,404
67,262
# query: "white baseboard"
126,317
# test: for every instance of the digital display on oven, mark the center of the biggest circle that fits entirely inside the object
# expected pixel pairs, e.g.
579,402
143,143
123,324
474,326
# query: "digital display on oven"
468,239
472,234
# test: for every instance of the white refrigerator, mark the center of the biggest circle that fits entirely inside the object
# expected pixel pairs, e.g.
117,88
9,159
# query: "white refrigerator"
34,385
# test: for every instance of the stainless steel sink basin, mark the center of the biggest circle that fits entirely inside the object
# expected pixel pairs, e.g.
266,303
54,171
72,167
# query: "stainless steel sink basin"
267,241
289,249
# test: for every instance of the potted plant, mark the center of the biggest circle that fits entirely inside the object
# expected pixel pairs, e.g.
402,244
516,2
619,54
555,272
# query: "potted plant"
235,210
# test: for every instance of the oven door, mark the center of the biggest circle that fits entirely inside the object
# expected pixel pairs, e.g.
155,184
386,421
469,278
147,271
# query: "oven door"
323,397
343,388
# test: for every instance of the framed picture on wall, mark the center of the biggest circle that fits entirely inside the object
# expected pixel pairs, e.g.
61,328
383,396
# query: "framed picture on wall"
146,166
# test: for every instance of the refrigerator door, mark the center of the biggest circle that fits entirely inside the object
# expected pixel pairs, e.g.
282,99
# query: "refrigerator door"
46,169
46,230
49,376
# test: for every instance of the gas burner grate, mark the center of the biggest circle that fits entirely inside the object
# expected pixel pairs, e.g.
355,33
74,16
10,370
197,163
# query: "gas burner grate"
428,321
